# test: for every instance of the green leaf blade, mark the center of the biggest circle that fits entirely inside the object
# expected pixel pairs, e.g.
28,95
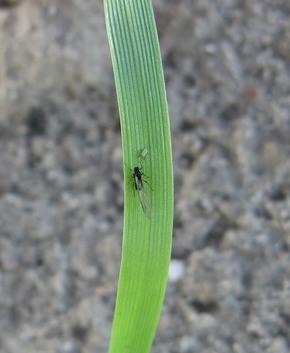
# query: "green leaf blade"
144,124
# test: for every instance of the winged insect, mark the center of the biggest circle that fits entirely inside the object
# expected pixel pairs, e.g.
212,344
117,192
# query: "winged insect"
139,181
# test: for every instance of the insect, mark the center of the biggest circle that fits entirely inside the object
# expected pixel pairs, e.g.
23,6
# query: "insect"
139,181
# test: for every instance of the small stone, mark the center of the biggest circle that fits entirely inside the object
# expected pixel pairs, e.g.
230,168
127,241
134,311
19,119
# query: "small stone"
176,270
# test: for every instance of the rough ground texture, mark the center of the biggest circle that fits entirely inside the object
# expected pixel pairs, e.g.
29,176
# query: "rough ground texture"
228,79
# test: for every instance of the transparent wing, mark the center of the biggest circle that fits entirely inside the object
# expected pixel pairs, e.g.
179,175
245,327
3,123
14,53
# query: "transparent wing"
144,202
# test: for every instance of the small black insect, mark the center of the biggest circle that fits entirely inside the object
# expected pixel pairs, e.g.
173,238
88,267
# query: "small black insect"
139,178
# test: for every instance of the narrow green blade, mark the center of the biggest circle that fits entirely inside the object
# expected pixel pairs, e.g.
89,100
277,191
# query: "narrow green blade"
148,176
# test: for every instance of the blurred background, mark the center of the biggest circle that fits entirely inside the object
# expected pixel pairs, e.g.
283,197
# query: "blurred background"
227,74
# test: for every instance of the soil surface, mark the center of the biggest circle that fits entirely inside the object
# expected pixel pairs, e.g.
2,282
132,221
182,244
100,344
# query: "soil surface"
227,69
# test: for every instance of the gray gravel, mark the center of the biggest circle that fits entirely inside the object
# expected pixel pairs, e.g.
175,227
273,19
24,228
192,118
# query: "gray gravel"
228,80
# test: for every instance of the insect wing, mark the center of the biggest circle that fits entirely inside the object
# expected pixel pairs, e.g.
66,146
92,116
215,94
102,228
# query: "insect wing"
144,201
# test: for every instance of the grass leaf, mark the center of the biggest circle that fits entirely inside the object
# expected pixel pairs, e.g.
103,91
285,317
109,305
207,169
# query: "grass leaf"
148,190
